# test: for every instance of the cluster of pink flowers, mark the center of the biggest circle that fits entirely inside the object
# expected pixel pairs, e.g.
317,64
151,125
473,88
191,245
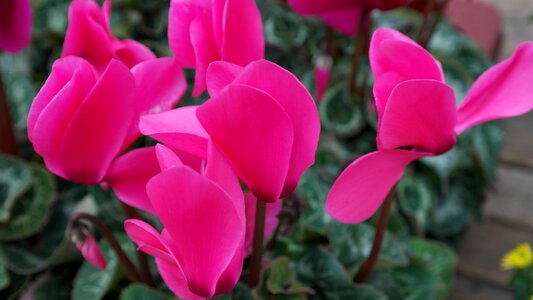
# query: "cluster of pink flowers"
259,127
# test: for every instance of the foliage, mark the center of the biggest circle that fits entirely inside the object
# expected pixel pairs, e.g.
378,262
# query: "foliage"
313,257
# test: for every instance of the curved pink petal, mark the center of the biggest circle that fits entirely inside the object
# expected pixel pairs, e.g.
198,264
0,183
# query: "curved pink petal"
131,52
395,58
148,240
505,90
91,251
167,158
181,15
129,174
15,28
242,22
421,114
209,230
271,222
175,280
161,84
292,95
255,134
345,21
314,7
362,187
88,34
203,44
89,146
219,75
65,89
177,129
220,172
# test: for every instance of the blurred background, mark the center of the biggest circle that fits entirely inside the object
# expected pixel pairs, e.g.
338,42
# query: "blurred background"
509,206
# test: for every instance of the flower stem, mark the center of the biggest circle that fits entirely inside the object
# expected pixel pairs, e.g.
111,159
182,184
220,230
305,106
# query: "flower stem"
8,143
368,265
359,42
142,259
430,4
107,234
441,7
257,249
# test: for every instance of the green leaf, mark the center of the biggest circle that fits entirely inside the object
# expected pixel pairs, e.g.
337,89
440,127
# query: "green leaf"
139,291
438,258
4,276
415,199
313,190
32,210
341,113
240,292
322,272
487,144
50,247
15,179
91,283
281,279
351,244
418,283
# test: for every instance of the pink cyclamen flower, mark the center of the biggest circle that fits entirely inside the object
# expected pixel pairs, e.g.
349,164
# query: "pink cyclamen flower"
203,31
271,219
322,74
418,116
201,255
89,36
81,120
15,25
90,250
264,121
343,15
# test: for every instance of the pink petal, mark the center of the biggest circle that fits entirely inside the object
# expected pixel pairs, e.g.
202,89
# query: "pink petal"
15,30
292,95
91,251
395,58
177,129
256,135
220,172
345,21
271,221
88,34
242,22
129,174
204,49
503,91
361,188
419,113
161,84
148,240
322,75
313,7
167,158
89,146
181,15
209,230
131,52
219,75
175,280
65,89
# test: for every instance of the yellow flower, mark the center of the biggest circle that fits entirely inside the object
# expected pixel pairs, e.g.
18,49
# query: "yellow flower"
518,258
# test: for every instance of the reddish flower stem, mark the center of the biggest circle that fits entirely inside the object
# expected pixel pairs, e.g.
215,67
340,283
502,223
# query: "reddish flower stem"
441,8
131,271
359,42
368,265
8,143
257,248
142,259
428,9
